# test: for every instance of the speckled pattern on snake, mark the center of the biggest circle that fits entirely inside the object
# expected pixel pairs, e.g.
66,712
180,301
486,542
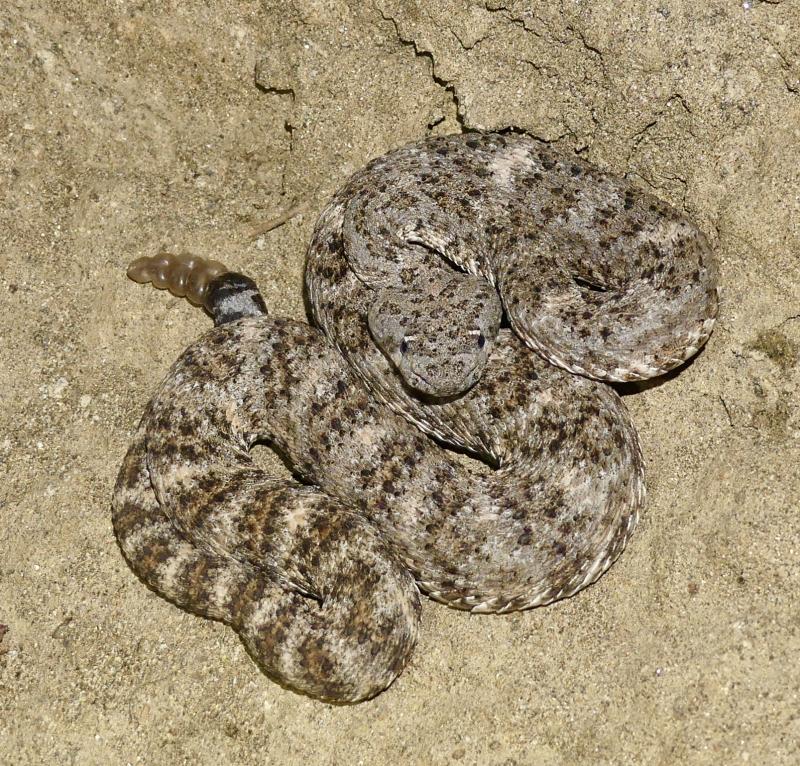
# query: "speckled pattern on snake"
320,579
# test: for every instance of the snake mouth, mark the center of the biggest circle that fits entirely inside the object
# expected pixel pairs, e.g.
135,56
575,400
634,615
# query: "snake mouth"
419,383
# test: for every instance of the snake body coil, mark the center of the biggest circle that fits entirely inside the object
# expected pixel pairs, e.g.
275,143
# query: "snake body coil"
320,576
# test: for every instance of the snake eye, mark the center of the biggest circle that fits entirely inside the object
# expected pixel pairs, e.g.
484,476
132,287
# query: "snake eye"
403,346
481,340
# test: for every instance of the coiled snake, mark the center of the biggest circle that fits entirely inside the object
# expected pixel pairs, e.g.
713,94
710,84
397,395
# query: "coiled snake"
320,576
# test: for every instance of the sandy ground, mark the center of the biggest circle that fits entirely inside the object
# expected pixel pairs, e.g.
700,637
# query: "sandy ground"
130,126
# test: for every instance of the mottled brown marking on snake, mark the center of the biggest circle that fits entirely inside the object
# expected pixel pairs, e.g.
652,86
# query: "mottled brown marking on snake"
319,581
597,276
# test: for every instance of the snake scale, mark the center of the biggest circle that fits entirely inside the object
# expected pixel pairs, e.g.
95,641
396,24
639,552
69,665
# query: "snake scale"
406,272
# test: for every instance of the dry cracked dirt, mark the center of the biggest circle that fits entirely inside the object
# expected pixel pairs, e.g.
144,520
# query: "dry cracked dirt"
131,126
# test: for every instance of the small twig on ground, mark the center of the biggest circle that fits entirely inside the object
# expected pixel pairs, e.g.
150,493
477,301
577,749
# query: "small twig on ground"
274,223
727,411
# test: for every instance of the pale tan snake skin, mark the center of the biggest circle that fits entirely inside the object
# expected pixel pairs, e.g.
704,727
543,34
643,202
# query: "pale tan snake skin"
320,579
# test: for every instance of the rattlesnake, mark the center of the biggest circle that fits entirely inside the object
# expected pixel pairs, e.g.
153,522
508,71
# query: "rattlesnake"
321,581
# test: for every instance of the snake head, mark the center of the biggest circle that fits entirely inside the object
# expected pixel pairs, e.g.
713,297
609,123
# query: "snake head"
438,332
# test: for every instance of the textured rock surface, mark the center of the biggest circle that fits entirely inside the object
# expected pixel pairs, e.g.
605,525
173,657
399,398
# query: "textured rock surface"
127,127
